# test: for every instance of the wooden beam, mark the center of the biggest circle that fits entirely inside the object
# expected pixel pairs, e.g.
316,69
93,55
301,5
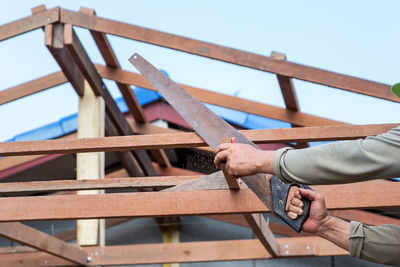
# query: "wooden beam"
31,237
182,203
230,55
111,61
90,73
288,92
186,140
54,42
224,100
231,250
90,165
54,39
129,97
32,87
365,217
30,23
114,183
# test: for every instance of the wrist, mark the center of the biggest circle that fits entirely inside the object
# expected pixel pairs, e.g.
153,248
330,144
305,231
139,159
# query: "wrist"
264,164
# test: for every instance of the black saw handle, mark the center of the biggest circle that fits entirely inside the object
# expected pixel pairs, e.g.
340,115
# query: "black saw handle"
280,192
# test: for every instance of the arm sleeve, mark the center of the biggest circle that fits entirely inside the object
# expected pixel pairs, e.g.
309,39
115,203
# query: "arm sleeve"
371,158
380,244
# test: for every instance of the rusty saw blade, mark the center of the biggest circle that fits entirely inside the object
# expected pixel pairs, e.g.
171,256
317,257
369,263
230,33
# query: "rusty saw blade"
206,123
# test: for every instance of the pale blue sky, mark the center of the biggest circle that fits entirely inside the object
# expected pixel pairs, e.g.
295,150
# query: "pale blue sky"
358,38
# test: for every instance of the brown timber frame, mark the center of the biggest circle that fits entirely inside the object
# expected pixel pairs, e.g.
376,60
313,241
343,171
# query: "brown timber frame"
131,143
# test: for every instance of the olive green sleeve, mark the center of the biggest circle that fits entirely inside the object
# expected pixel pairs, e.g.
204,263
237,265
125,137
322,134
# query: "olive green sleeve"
380,244
341,162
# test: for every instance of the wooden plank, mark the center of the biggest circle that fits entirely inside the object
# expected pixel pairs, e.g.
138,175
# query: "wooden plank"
84,63
111,61
129,97
32,87
31,237
366,217
223,100
255,221
186,140
288,92
95,184
30,23
182,203
90,165
55,38
62,56
230,250
230,55
286,85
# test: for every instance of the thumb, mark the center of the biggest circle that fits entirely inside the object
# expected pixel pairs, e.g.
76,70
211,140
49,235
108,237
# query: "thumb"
309,194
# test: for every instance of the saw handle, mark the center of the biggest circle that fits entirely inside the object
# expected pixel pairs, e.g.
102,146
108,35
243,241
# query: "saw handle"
280,193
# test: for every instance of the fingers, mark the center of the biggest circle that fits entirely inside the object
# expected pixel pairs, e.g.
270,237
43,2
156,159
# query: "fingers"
296,202
222,147
221,157
295,208
292,215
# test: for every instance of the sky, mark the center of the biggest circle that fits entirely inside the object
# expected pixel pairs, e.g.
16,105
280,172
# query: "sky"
358,38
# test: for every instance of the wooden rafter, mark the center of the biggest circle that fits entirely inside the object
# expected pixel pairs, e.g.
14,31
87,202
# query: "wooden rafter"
229,55
32,87
185,140
84,63
224,100
31,237
131,101
30,23
288,92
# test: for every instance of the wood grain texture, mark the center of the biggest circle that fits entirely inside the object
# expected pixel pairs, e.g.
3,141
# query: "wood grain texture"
186,140
230,55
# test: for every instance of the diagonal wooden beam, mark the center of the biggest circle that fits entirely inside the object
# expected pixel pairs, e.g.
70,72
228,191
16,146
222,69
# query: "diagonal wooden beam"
288,92
90,73
54,43
130,99
32,87
31,237
224,100
30,23
186,140
230,55
54,40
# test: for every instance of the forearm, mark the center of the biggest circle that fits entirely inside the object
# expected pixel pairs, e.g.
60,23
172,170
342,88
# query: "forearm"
341,162
335,230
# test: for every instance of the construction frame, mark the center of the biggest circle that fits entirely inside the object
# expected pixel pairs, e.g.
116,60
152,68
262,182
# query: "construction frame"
131,138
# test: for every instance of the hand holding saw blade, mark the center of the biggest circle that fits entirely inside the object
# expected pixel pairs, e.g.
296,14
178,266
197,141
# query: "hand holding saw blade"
271,191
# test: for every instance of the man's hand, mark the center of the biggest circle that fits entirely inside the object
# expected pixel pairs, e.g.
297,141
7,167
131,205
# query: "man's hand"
318,213
243,160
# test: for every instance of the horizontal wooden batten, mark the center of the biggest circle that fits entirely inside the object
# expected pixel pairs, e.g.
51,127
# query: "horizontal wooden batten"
68,185
381,194
229,250
186,140
227,54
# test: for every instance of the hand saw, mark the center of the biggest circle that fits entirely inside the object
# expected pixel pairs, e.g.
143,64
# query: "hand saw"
272,192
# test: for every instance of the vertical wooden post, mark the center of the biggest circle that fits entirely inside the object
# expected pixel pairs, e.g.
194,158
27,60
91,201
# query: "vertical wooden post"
90,165
170,235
